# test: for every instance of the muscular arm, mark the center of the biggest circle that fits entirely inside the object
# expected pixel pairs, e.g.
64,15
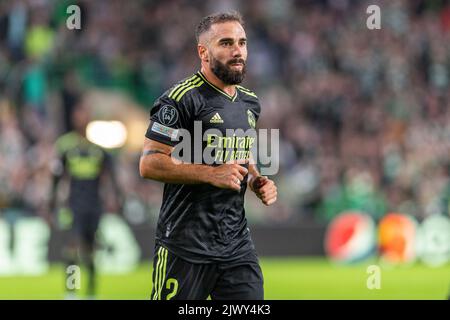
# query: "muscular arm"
252,169
157,164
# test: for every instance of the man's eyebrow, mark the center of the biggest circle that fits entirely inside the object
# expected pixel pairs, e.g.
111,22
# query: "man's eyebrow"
231,40
226,40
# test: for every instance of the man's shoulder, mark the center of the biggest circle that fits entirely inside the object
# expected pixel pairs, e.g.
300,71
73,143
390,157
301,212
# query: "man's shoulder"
247,93
184,89
249,98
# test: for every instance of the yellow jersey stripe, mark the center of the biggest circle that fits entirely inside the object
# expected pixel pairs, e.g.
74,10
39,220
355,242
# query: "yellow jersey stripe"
180,89
184,86
244,88
187,89
177,87
247,92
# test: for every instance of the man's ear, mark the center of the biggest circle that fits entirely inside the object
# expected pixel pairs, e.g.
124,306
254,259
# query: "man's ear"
203,52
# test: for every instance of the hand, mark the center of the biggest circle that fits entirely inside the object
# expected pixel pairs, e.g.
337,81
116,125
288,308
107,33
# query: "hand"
228,176
265,189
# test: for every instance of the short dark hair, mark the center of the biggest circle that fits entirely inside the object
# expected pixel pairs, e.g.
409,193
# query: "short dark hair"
220,17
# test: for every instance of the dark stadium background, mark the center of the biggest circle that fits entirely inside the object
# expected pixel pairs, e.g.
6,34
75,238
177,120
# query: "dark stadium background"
364,120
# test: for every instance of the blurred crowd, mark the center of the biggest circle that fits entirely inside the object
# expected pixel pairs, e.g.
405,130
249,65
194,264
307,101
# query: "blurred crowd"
364,115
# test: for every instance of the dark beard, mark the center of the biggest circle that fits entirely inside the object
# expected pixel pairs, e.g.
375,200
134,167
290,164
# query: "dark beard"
224,73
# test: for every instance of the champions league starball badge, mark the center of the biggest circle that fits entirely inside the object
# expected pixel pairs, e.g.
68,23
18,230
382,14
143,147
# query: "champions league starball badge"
168,115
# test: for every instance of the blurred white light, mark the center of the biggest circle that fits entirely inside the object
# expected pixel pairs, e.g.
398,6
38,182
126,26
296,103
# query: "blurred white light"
107,134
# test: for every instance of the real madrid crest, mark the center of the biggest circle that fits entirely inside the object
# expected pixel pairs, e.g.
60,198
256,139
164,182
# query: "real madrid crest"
251,119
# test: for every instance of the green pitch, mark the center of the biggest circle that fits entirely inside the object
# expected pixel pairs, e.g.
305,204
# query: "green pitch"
285,278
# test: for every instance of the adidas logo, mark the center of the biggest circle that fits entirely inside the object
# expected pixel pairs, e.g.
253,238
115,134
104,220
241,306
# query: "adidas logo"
216,118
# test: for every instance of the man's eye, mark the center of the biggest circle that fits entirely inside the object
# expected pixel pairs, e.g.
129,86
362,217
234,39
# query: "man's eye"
226,44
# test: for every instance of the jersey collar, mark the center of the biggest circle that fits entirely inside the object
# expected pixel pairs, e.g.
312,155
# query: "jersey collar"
232,98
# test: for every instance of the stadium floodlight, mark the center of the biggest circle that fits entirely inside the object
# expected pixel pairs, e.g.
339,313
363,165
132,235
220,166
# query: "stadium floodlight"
107,134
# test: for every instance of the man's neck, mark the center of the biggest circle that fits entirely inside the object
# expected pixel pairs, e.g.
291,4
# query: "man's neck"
230,89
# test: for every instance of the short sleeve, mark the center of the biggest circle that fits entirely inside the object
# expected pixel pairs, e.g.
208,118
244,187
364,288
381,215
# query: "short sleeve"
257,110
167,117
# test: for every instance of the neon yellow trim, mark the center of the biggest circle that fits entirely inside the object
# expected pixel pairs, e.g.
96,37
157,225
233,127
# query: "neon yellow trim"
244,88
175,289
217,89
156,280
178,86
246,91
250,94
181,85
187,89
190,83
162,275
181,89
163,278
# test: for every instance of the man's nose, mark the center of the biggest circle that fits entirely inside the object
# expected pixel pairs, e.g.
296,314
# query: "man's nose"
236,51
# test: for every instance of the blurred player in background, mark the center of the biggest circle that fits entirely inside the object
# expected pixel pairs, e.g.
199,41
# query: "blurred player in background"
86,166
203,246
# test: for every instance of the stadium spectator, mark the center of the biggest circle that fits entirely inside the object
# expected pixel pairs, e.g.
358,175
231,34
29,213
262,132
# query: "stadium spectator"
343,96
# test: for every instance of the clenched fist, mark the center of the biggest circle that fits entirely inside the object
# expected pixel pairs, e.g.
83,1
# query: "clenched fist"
228,176
264,188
